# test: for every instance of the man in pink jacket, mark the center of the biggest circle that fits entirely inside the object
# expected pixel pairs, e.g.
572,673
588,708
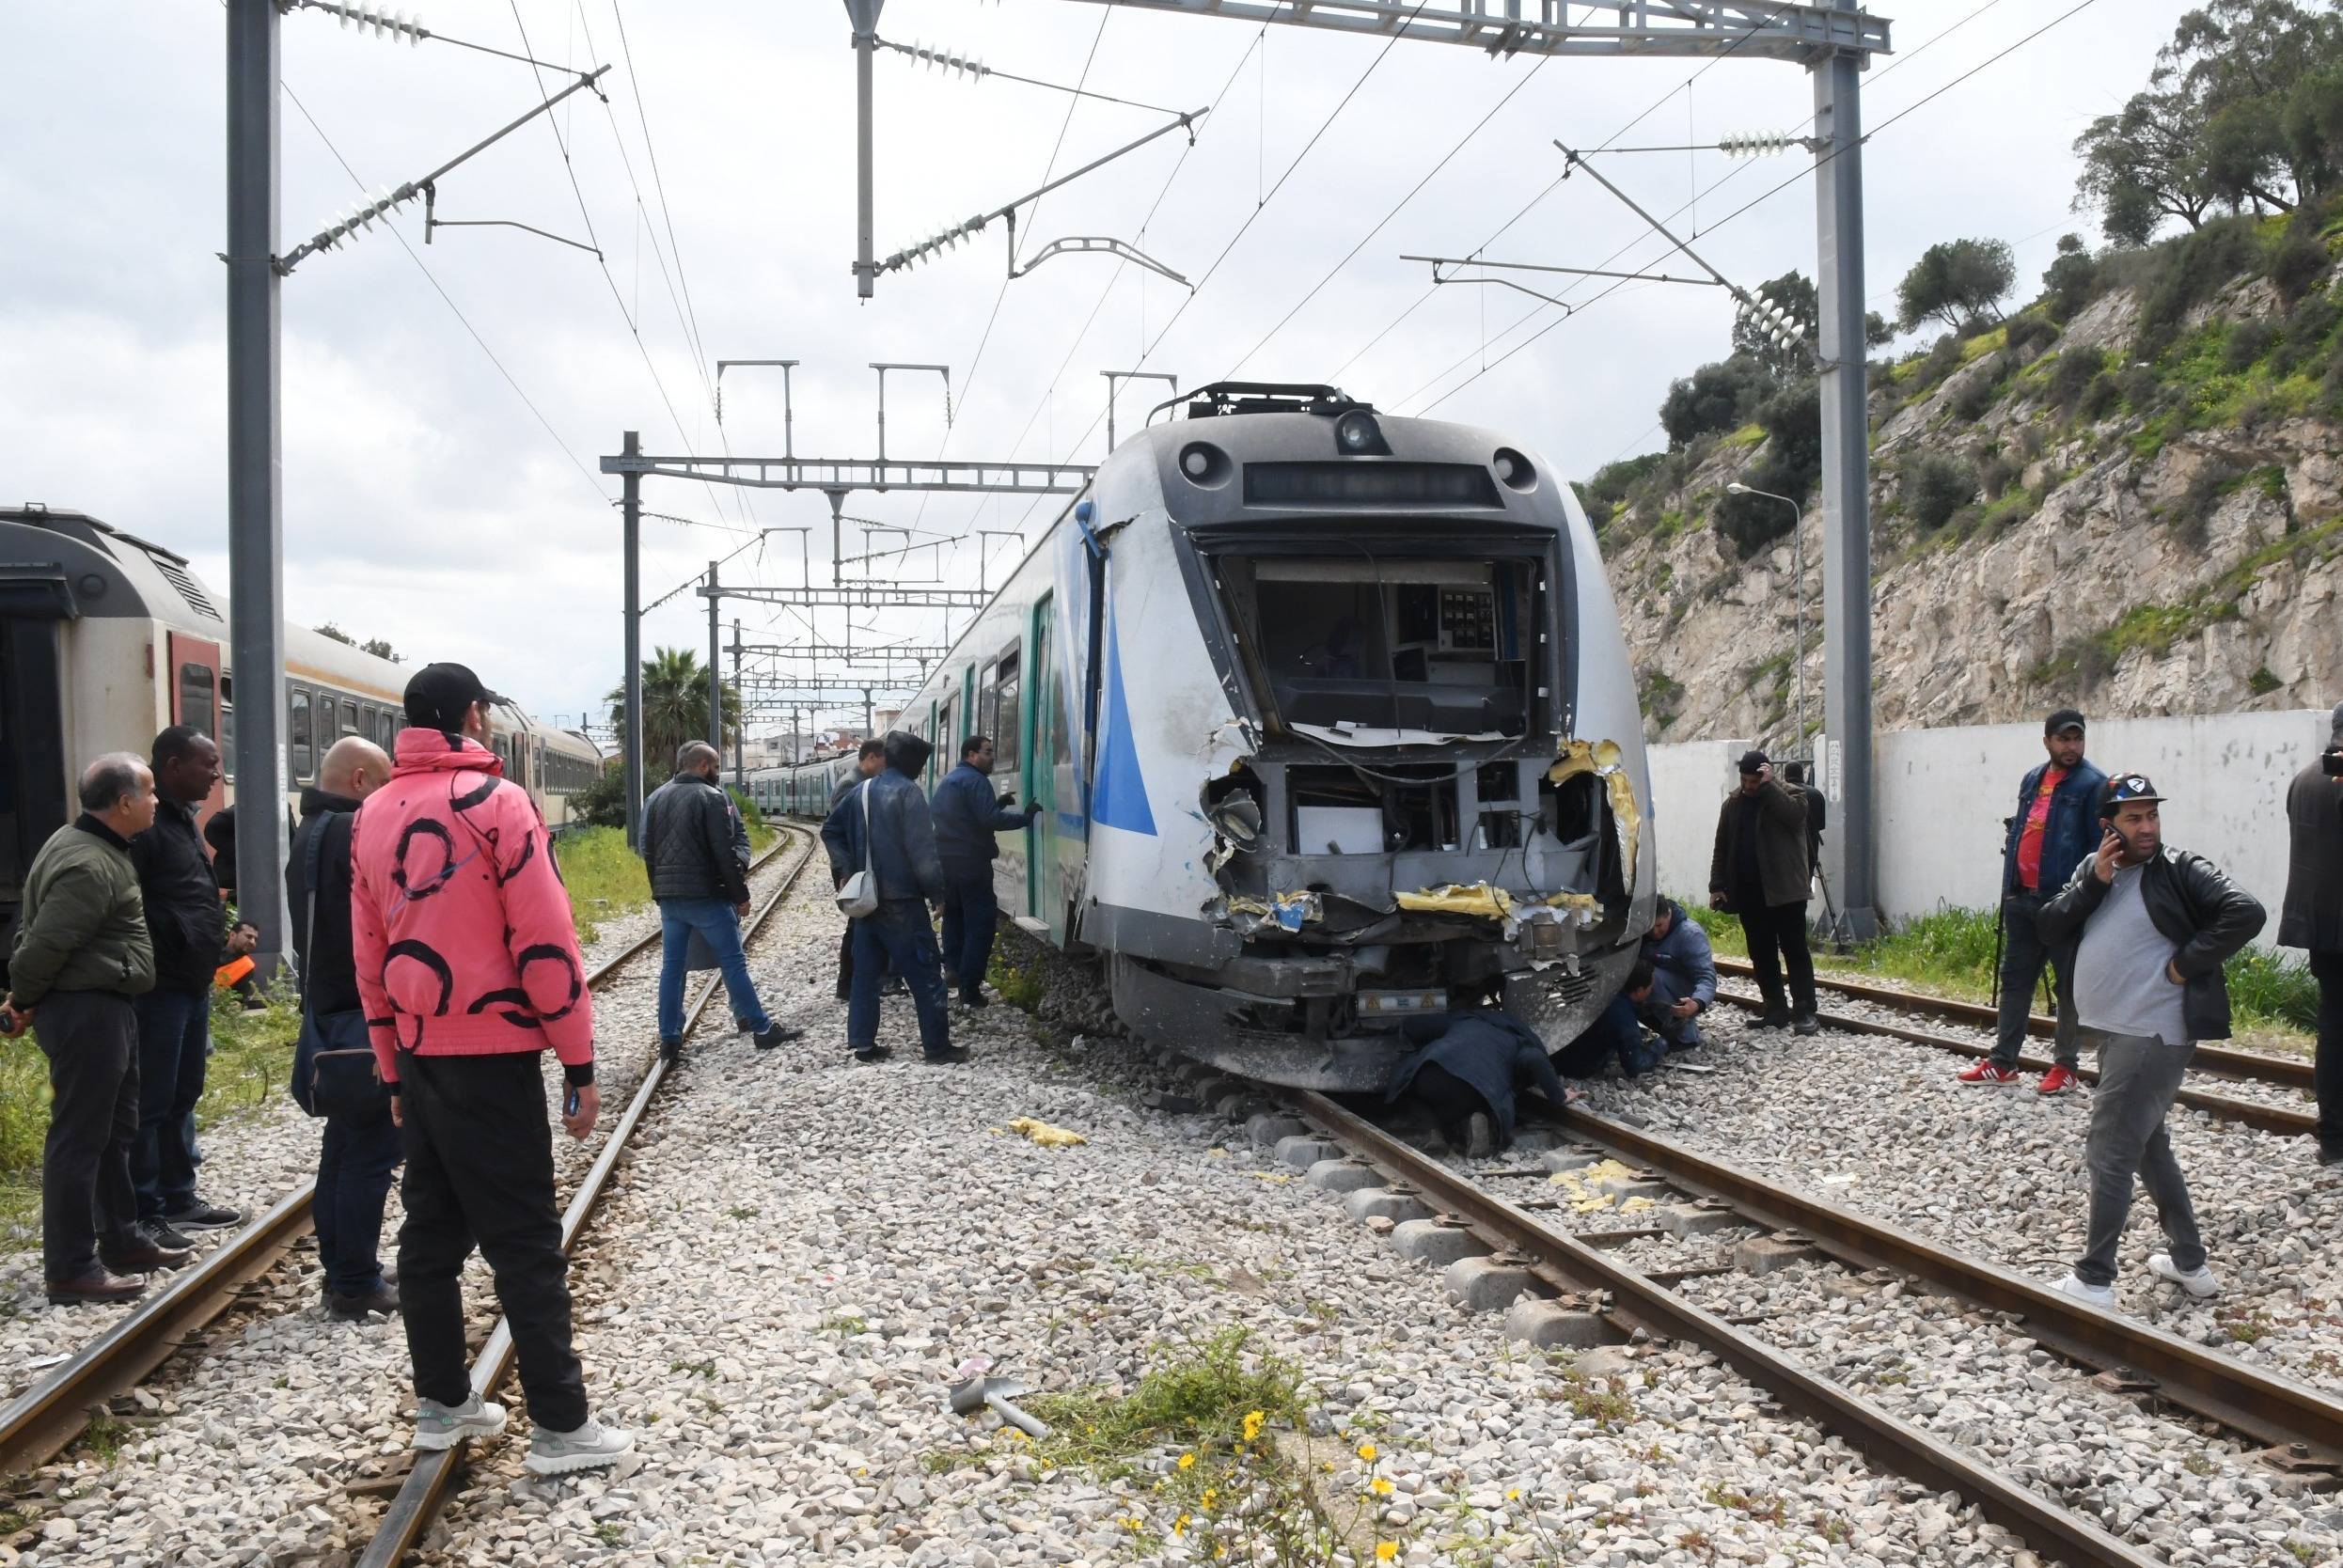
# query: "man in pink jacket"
468,967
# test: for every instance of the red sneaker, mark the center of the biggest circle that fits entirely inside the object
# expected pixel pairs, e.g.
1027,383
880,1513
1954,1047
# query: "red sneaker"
1991,1075
2056,1081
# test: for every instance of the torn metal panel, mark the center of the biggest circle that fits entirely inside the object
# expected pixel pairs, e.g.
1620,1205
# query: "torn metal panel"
1606,761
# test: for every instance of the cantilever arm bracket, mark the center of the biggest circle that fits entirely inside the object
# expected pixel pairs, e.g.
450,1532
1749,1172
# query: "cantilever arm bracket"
1092,244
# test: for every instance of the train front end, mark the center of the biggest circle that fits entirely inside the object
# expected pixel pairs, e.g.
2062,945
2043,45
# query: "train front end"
1396,756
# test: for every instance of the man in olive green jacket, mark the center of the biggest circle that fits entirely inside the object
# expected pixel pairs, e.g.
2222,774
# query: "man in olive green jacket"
82,952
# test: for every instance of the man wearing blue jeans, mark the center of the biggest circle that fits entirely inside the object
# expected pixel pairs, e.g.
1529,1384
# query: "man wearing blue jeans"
883,829
700,886
189,925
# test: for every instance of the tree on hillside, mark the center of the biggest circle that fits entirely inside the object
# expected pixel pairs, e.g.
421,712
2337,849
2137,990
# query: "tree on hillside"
2244,109
1958,282
1719,396
675,705
1794,292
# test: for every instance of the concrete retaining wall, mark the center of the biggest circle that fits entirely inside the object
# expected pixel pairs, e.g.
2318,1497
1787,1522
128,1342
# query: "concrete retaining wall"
1941,795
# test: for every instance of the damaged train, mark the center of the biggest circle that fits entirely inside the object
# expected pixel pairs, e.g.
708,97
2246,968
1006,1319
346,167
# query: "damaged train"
1331,720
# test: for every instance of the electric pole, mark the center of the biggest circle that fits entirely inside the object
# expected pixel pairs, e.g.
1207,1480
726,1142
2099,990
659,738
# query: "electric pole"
256,546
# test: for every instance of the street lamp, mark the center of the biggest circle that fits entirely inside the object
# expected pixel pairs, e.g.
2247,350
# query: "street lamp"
1797,569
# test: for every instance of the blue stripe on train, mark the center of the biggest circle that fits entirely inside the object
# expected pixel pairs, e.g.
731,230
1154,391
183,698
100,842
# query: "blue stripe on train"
1121,798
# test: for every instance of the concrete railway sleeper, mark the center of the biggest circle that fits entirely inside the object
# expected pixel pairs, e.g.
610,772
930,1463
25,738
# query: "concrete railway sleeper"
1565,1288
44,1419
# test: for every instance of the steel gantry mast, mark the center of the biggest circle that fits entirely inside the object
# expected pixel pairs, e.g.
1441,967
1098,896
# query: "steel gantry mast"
1834,39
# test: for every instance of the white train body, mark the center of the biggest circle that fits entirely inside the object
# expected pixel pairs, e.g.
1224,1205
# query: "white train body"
106,639
1331,720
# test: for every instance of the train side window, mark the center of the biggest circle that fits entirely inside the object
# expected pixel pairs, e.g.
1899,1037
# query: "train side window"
198,703
228,745
301,753
1006,713
349,719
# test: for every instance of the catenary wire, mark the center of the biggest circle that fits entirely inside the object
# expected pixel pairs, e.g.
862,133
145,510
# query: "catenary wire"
1776,190
511,380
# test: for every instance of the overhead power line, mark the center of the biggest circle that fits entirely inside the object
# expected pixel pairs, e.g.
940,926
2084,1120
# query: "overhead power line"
454,309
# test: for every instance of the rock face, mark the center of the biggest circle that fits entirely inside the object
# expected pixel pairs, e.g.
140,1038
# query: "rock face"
2129,563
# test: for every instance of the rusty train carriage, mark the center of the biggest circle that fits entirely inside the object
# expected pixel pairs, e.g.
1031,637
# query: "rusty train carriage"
1331,721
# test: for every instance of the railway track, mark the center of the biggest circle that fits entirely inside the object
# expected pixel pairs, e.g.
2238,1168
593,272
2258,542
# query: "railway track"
43,1420
2301,1427
432,1478
2242,1066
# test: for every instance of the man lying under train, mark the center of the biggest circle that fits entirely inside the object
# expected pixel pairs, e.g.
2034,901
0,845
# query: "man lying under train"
1470,1065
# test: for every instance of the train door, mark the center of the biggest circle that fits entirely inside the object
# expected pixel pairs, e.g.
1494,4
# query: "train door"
196,697
33,799
1036,781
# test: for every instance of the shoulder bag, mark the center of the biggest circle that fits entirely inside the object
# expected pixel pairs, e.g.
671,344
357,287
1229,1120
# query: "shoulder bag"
857,896
334,1071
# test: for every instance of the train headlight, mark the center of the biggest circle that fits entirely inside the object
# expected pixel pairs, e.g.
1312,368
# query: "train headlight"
1356,434
1513,470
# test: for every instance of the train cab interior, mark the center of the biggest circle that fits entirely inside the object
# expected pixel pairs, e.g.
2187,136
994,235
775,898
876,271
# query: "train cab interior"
1362,643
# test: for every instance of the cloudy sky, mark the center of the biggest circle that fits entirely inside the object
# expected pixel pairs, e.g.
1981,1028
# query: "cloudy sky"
444,405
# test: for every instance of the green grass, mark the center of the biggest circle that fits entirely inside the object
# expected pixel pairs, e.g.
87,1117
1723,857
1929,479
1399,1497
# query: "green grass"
251,1064
604,876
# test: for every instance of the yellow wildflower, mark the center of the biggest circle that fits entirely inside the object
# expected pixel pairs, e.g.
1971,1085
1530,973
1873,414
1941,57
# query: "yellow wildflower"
1386,1550
1380,1486
1367,1452
1513,1493
1187,1461
1253,1420
1179,1526
1212,1495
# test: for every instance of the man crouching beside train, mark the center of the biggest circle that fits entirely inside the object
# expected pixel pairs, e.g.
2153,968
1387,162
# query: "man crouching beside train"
885,828
2154,926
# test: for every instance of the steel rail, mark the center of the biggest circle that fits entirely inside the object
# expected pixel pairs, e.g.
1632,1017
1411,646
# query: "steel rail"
1567,1264
2281,1120
2258,1066
432,1478
2273,1409
40,1422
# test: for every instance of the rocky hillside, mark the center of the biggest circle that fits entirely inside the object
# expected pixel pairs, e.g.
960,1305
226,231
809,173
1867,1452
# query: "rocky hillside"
2126,496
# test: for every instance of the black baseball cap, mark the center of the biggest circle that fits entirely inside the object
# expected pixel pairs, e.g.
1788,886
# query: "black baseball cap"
2124,788
2062,721
1753,759
439,696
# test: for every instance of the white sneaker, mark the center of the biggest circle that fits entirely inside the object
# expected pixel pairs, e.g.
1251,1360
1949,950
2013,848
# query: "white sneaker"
2200,1284
591,1445
2098,1295
442,1426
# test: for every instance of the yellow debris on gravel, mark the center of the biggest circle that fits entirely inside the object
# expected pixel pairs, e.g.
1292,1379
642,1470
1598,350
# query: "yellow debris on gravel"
1045,1134
1580,1185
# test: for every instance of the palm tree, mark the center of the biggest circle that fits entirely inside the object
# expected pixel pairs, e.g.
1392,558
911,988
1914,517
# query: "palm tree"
675,705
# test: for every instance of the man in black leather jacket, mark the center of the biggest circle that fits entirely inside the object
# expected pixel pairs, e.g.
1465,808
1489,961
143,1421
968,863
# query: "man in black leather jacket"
700,886
2151,928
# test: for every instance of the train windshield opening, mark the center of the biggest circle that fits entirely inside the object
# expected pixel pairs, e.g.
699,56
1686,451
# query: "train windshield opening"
1389,644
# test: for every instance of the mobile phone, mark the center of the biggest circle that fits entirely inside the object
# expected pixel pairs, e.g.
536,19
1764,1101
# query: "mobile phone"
2109,823
568,1105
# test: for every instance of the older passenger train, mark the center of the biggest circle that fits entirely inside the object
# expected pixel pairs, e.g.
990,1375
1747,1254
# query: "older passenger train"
1331,721
105,639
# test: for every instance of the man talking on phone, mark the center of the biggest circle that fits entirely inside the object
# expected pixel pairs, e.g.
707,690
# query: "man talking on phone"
2151,926
468,969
